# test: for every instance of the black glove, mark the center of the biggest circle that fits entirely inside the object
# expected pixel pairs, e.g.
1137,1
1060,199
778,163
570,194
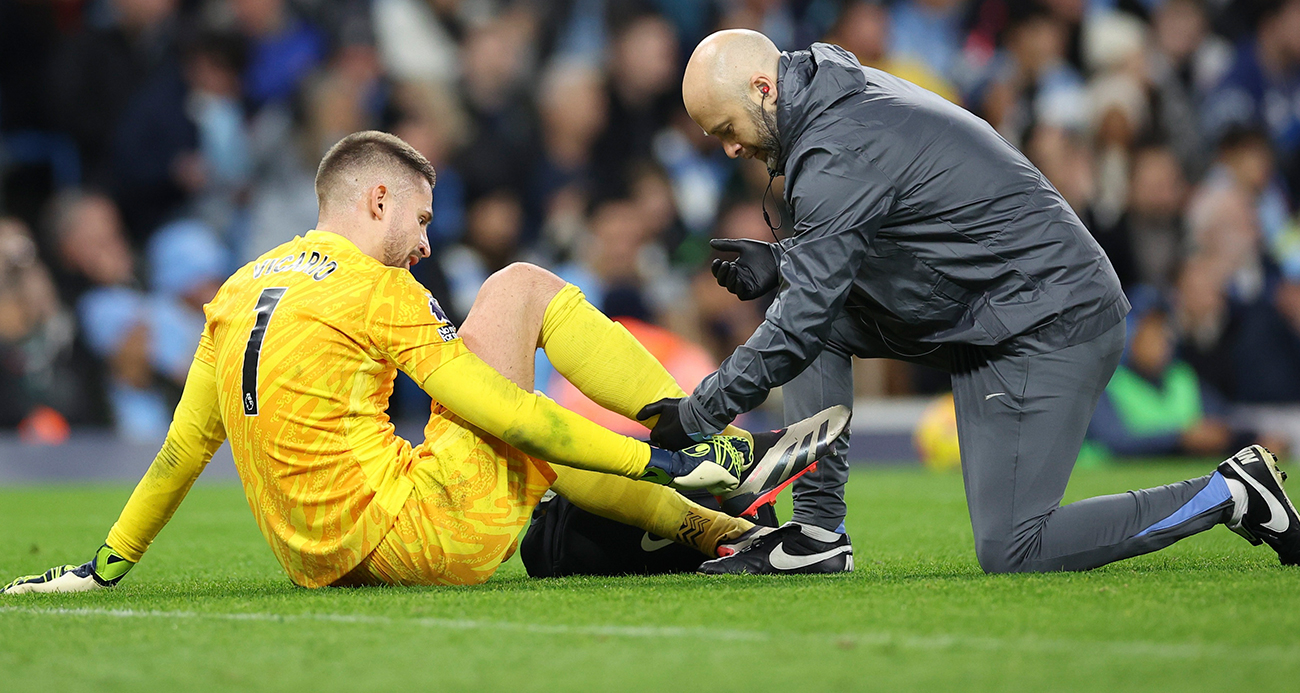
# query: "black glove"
752,274
668,432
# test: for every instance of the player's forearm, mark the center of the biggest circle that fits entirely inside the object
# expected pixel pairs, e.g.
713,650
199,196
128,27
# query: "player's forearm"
195,434
532,423
154,501
818,274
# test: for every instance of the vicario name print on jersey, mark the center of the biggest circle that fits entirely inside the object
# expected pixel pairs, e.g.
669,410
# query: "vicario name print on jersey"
314,264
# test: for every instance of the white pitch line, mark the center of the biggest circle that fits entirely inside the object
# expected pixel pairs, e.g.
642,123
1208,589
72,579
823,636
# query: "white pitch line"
1132,648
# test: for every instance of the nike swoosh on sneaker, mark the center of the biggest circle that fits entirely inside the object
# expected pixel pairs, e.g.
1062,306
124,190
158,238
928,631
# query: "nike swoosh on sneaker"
784,561
648,544
1275,508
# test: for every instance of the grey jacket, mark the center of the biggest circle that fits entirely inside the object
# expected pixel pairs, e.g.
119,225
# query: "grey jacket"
915,215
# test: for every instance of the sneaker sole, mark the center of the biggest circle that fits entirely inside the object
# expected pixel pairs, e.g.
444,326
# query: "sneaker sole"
786,453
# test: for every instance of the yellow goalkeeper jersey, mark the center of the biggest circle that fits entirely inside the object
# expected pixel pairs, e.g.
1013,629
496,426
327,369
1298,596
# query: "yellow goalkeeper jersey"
295,366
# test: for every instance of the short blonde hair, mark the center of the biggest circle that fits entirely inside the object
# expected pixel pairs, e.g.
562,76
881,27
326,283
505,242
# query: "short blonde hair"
368,149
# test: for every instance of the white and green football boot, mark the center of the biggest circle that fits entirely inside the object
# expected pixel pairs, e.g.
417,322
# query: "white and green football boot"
746,475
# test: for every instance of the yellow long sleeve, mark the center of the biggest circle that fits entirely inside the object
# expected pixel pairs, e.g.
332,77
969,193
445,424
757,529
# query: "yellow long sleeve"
530,422
195,434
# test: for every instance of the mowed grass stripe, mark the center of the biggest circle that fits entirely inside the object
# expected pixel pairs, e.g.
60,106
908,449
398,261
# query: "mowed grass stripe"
1138,648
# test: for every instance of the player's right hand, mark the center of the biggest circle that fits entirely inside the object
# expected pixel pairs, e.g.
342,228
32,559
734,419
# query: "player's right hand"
752,274
106,569
716,465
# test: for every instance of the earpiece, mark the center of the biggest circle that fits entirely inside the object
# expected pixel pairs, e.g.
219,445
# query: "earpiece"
763,89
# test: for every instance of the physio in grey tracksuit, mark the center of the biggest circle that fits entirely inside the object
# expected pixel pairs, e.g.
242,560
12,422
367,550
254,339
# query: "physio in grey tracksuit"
920,234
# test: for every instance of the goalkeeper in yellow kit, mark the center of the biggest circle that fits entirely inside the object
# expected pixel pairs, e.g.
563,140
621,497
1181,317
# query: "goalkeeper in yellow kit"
295,367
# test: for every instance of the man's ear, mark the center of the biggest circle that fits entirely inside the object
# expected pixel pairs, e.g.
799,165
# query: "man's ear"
764,87
379,201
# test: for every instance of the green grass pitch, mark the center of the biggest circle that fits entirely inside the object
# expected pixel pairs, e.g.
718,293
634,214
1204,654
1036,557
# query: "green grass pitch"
209,609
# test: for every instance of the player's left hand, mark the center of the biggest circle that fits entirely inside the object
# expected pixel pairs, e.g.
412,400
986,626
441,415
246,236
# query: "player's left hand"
667,432
106,569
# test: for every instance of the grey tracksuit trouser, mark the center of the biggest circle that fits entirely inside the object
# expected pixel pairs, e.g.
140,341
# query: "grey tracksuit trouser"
1021,421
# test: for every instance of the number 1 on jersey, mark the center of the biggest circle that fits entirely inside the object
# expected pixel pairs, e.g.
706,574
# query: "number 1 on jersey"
266,304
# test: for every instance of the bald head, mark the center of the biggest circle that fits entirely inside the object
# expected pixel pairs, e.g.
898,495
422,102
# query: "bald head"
730,86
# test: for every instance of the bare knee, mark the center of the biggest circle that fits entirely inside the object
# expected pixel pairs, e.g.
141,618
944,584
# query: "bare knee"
510,305
521,281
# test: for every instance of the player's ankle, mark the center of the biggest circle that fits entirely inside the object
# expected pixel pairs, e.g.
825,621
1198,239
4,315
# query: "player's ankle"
818,533
1239,500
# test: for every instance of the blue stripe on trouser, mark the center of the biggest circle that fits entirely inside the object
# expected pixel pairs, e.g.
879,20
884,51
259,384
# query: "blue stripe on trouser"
1214,493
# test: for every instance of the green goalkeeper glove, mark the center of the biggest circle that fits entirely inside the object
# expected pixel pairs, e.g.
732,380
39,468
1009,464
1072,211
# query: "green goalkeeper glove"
105,570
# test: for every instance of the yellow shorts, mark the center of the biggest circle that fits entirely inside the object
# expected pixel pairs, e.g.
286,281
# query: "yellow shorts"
472,496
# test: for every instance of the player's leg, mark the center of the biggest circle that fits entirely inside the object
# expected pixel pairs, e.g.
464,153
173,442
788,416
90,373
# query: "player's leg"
504,328
603,360
819,494
524,307
1021,421
656,509
828,381
815,540
503,325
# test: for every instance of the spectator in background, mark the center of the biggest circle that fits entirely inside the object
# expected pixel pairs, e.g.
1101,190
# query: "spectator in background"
1263,79
350,95
618,258
493,89
187,265
697,170
493,226
43,382
608,258
283,50
1183,62
573,107
1204,324
90,240
929,32
863,29
114,313
1118,106
182,140
284,53
220,171
1266,346
1065,159
1223,228
1245,161
431,121
644,91
431,124
1155,405
417,39
148,340
652,193
1032,82
1148,242
96,72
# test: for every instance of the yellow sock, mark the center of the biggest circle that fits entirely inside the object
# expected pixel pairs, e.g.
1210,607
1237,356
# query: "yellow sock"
603,360
656,509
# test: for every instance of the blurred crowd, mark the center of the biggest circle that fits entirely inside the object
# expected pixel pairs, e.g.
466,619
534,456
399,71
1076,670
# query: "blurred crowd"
150,147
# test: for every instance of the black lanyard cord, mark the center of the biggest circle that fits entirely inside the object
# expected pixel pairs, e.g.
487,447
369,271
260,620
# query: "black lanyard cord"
771,176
